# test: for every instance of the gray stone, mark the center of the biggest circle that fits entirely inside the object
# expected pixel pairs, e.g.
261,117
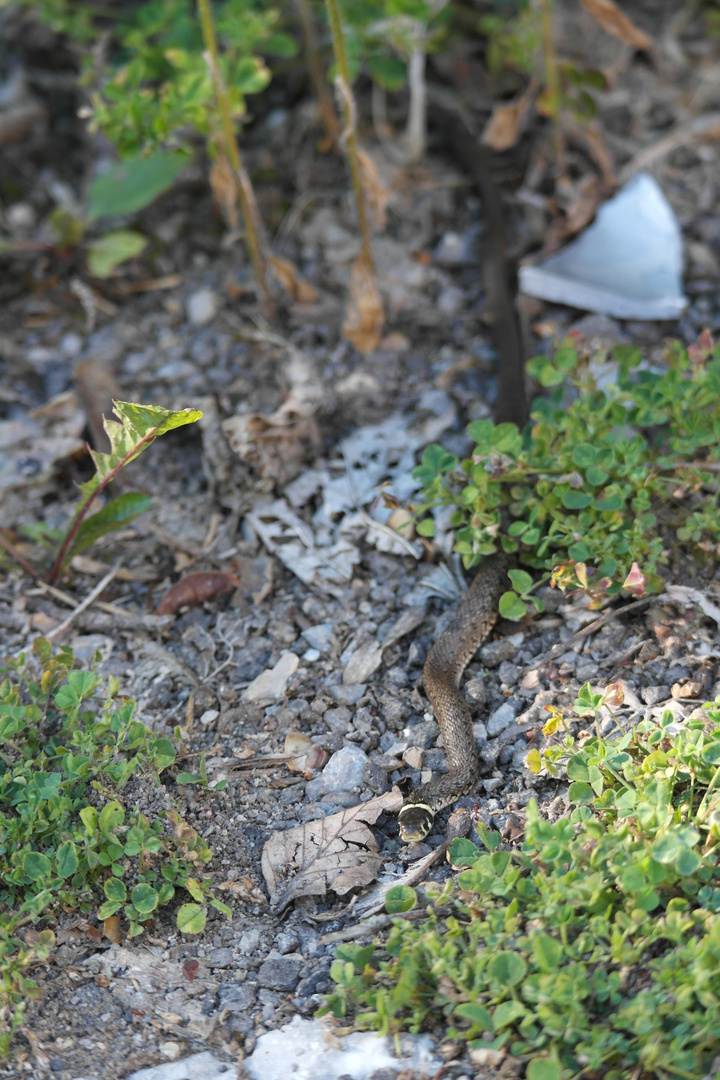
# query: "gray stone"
490,752
652,695
363,663
376,778
480,732
423,734
319,637
501,719
220,958
249,941
347,695
495,652
509,673
477,690
343,772
338,719
280,973
287,941
237,997
201,307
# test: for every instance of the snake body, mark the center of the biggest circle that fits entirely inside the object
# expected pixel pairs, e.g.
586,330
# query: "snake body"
442,672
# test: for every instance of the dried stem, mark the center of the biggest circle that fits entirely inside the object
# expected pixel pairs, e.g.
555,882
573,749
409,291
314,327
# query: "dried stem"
246,196
349,135
317,76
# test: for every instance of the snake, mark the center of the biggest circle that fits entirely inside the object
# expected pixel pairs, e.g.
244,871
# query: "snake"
442,673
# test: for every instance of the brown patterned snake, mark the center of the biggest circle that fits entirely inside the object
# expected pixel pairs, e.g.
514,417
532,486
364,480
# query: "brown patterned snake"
443,670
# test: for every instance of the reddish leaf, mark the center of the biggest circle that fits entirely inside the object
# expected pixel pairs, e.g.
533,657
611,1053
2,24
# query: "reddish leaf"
190,969
195,589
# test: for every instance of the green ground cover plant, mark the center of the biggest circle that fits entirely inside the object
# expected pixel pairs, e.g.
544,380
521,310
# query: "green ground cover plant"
617,468
592,951
69,743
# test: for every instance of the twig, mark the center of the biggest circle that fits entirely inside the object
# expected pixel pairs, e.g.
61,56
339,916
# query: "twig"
596,624
101,585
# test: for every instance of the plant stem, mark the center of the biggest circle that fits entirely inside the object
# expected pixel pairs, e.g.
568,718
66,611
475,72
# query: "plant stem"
552,78
349,136
27,567
314,66
246,196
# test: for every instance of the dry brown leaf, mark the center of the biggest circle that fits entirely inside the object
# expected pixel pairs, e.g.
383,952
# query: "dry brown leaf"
195,589
111,929
225,189
503,129
364,315
287,274
615,22
337,852
278,445
376,194
96,389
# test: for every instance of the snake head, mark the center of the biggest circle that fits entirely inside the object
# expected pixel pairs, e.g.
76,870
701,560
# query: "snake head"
415,821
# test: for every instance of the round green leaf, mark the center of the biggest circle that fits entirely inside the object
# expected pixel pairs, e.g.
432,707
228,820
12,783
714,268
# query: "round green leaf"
426,527
144,898
400,898
507,968
543,1068
191,919
164,753
107,253
575,500
134,183
521,580
583,455
112,814
511,606
36,866
580,793
115,890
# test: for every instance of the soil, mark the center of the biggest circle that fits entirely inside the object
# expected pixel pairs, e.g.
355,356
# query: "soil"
108,1010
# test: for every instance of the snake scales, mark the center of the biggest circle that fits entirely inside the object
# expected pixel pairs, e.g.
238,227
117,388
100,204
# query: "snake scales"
443,670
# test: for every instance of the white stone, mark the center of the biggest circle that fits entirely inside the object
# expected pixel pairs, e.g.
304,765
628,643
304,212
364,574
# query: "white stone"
270,684
201,307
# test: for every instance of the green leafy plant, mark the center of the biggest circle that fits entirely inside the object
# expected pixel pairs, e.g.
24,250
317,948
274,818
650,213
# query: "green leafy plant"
605,479
136,428
69,743
594,949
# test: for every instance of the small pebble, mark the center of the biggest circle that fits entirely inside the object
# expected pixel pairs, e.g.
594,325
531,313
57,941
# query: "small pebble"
343,772
201,307
279,973
347,695
413,757
502,718
270,684
363,663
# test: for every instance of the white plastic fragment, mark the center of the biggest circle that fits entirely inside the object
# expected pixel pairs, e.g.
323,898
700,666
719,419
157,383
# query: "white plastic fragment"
308,1050
628,263
203,1066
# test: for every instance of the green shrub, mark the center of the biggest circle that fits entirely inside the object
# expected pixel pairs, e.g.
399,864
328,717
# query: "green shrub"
595,949
602,483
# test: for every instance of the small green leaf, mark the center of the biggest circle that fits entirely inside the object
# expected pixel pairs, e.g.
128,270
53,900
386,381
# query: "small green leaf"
191,919
112,249
134,184
521,580
507,968
462,852
575,500
67,862
476,1013
614,501
544,1068
112,814
400,898
512,607
164,753
547,951
144,898
36,866
426,527
112,517
115,890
